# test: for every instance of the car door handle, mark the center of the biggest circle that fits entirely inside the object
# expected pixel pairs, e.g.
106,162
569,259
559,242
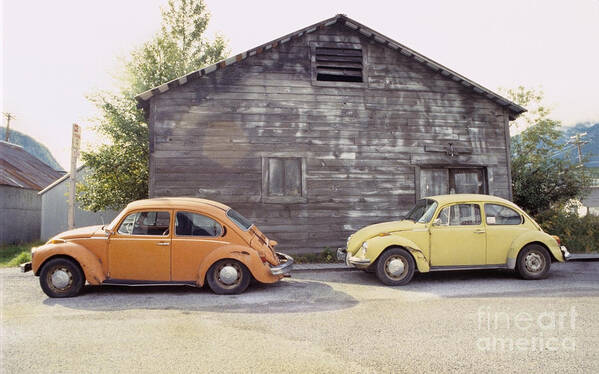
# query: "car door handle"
162,243
479,231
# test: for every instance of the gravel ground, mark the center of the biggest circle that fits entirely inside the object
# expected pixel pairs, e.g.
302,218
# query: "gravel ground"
339,321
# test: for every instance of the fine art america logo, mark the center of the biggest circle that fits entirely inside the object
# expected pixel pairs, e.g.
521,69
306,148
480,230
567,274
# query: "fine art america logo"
525,332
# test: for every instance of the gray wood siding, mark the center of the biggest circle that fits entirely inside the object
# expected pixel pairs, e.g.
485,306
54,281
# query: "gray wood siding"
363,143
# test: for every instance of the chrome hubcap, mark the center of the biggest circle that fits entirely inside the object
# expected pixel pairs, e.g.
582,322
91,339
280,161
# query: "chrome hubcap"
228,275
395,267
61,278
534,262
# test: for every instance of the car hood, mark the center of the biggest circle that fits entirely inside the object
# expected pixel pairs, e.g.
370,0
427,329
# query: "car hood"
371,231
81,232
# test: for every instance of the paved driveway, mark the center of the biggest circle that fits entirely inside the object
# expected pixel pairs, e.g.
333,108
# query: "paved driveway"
313,322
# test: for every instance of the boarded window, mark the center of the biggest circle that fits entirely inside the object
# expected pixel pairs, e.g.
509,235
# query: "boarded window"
339,64
443,181
283,178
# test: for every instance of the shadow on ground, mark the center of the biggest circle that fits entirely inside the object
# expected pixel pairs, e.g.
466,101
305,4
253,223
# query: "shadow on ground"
570,279
286,296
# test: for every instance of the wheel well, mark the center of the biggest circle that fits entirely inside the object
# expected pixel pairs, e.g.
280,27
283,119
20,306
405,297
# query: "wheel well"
553,259
60,256
395,246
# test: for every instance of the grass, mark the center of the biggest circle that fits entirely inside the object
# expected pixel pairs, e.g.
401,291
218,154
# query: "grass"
327,256
15,254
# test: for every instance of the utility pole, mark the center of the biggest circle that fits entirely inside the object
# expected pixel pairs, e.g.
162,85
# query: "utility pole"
75,144
577,140
8,116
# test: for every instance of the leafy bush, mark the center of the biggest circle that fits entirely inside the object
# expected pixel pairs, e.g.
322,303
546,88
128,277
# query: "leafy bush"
16,254
578,234
327,256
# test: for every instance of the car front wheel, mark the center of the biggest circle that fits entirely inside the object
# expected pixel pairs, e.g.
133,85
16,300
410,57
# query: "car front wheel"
228,277
395,267
61,277
533,262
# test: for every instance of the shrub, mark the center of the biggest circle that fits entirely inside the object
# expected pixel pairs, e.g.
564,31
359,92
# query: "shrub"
578,234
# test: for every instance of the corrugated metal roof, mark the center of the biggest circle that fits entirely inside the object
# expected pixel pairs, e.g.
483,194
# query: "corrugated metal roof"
18,168
513,107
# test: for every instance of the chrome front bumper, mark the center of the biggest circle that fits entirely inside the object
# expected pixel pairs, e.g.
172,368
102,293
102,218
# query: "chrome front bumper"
25,267
285,266
360,263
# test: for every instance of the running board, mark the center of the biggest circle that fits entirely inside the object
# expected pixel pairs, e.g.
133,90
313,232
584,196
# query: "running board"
468,267
128,282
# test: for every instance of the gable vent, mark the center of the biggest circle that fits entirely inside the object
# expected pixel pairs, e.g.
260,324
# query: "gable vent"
339,64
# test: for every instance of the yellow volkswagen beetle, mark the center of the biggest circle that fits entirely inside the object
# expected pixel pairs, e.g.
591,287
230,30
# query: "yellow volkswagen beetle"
454,232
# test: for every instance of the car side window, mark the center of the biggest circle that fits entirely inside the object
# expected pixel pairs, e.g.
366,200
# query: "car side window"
193,224
145,223
460,215
501,215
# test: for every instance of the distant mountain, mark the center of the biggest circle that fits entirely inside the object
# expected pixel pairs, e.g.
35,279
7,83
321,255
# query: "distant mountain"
591,149
32,146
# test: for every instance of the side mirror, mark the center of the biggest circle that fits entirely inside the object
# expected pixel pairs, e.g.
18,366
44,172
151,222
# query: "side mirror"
108,231
437,222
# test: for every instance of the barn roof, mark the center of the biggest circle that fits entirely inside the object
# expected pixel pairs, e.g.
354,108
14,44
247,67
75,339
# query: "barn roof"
18,168
514,108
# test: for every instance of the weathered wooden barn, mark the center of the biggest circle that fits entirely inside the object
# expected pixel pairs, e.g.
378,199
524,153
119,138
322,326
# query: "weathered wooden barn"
324,131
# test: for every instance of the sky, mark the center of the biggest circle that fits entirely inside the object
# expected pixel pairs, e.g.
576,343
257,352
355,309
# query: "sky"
55,53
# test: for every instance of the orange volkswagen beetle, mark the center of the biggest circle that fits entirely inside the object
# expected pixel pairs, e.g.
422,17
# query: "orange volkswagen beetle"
162,241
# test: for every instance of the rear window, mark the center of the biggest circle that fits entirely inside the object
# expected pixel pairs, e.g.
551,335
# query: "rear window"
242,222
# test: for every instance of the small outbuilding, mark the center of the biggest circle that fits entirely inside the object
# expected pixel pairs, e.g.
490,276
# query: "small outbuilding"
55,207
22,175
325,130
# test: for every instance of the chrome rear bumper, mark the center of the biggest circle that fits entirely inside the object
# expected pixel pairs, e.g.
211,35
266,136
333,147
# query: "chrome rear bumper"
285,266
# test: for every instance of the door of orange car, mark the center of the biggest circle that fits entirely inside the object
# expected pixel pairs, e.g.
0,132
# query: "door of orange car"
140,249
458,236
195,236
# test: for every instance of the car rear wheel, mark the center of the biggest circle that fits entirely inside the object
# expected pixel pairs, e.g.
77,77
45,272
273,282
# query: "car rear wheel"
228,277
395,267
61,277
533,262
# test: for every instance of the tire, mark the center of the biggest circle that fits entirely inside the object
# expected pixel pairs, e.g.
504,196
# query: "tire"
61,277
388,271
533,262
238,281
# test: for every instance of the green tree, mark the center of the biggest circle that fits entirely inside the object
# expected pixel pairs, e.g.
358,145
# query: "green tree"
541,178
119,169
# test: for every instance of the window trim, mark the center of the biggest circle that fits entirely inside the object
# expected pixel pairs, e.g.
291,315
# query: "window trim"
522,220
170,224
222,227
314,72
450,205
265,176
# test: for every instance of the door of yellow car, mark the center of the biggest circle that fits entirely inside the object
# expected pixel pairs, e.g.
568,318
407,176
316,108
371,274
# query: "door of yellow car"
458,236
504,224
140,249
195,236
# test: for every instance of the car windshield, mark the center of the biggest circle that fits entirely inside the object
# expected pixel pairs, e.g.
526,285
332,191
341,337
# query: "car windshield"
423,211
241,222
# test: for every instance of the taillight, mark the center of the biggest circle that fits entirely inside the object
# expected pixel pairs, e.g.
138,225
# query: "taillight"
557,239
263,258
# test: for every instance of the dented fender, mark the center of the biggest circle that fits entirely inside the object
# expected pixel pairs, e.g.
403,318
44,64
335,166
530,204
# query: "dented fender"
90,264
379,244
246,255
